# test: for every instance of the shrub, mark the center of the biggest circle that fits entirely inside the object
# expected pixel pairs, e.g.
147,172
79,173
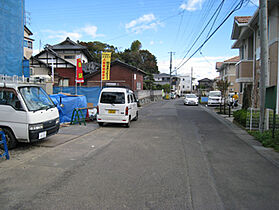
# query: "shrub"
266,138
240,116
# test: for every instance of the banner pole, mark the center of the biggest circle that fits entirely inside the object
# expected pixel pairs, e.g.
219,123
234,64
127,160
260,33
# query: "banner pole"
101,70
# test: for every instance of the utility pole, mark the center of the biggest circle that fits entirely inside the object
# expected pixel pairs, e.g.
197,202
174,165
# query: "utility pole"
264,60
171,67
191,79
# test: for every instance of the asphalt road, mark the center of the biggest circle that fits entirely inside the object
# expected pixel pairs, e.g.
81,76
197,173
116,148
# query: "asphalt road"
173,157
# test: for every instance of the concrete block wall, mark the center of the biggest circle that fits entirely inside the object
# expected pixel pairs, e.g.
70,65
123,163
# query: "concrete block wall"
147,96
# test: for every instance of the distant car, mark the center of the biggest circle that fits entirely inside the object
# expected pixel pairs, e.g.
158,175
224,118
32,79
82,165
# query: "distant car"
191,99
229,99
214,98
173,95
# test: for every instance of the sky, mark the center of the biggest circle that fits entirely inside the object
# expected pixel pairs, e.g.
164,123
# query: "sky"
162,26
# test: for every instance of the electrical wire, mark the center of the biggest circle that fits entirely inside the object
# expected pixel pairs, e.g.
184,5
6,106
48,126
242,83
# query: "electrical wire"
202,31
237,7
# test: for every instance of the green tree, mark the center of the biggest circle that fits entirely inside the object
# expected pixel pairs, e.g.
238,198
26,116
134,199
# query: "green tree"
223,86
96,48
136,46
148,82
141,59
134,56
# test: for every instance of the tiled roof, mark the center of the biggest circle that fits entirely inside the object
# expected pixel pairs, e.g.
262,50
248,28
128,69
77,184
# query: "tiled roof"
242,19
218,64
232,60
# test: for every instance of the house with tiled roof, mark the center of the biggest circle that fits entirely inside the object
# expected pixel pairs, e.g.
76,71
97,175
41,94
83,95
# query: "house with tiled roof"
246,34
61,58
227,71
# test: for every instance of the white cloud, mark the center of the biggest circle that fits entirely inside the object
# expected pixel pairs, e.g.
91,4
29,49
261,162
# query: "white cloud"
151,43
92,31
74,35
143,23
192,5
201,68
61,35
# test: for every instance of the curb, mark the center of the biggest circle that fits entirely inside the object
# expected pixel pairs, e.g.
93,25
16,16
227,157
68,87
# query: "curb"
267,153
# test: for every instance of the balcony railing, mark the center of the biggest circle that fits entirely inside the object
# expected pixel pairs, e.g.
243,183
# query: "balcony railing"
244,71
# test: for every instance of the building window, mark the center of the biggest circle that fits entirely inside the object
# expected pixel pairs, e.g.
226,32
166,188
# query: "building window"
69,56
138,86
64,82
28,44
183,86
241,87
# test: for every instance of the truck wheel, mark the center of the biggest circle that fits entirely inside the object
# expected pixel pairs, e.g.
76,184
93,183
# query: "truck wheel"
10,139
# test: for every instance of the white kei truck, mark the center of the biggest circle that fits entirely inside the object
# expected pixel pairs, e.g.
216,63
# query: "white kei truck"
27,114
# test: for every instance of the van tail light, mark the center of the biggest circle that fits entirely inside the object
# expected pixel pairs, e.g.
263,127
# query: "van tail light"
97,109
126,111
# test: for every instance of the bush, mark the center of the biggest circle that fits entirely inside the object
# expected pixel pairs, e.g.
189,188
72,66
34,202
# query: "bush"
266,138
240,116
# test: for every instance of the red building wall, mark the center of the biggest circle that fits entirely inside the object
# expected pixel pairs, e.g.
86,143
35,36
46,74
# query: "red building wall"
118,74
67,73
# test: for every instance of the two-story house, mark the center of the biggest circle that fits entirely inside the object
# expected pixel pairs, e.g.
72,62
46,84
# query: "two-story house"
184,84
28,43
246,34
60,60
227,71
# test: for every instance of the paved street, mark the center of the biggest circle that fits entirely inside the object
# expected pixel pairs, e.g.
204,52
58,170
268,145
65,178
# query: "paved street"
173,157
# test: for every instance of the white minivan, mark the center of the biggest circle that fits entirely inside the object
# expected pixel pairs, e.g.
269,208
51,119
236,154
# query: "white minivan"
117,105
27,114
214,98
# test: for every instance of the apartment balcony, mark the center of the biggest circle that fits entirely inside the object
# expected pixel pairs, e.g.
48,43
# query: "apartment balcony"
244,71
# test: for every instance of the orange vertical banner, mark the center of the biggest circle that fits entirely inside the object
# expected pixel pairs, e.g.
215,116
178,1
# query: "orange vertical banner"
106,57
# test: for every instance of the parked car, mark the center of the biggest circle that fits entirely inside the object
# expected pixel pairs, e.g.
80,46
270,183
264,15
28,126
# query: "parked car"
173,95
214,98
27,114
191,99
229,99
117,105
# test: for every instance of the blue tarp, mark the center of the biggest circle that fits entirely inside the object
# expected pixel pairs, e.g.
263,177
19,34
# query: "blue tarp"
69,104
204,99
91,93
11,36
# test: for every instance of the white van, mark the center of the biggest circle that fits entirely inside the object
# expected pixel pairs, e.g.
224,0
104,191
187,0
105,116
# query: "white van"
117,105
214,98
27,114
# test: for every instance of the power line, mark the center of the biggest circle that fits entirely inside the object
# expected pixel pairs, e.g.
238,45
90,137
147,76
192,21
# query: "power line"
206,59
237,7
219,7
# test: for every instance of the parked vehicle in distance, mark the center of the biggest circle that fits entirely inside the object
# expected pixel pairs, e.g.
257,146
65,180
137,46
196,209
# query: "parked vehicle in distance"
229,99
117,105
173,95
191,99
27,114
214,98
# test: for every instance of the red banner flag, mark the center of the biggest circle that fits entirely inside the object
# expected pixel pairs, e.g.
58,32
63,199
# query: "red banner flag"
79,76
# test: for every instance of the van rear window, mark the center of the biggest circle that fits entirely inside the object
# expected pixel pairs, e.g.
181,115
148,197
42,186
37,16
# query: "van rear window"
112,98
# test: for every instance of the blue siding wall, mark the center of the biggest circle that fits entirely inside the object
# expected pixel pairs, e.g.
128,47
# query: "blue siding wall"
11,36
